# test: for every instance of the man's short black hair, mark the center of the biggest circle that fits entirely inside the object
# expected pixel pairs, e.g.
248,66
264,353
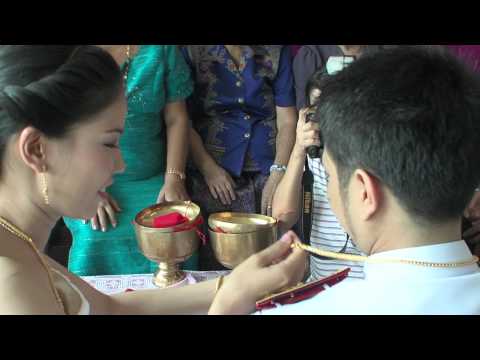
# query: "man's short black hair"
410,117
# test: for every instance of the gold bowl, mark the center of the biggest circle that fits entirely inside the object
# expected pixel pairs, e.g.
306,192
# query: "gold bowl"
239,223
186,208
232,249
168,249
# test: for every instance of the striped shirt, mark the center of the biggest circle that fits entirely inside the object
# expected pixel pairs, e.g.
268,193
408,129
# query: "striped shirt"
327,234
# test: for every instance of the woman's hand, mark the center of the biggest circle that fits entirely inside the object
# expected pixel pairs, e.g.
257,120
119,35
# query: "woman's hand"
220,184
275,268
173,190
308,133
106,210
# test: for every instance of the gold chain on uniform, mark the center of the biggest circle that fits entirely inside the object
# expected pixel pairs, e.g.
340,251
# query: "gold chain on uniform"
358,258
20,234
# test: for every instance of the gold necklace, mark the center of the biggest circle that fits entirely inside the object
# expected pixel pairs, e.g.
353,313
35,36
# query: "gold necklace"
366,259
20,234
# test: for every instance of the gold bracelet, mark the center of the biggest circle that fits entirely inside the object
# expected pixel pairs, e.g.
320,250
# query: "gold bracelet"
219,284
180,174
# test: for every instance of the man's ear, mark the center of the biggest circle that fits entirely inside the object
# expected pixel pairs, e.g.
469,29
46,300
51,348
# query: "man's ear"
32,147
370,190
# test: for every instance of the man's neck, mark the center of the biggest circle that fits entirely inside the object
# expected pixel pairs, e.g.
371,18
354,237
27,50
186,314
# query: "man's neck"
402,236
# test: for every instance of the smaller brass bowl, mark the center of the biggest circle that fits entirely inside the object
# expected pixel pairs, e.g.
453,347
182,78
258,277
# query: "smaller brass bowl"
186,208
232,249
239,223
164,246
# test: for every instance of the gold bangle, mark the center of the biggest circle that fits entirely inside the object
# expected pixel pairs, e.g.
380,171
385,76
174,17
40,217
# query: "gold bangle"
219,284
176,172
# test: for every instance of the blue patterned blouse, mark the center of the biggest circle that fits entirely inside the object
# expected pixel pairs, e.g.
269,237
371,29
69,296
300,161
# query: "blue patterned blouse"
233,107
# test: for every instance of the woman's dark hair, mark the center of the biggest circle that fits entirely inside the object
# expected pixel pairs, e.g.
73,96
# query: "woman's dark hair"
411,117
316,81
53,88
320,77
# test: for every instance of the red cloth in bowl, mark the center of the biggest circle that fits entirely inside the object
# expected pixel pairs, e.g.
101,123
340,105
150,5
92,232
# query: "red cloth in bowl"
176,220
169,220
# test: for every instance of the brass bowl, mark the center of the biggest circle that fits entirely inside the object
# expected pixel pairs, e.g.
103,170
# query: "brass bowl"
158,246
232,249
239,223
186,208
168,249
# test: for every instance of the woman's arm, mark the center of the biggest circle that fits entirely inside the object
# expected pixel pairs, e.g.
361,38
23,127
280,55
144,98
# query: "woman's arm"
286,116
201,158
287,198
176,122
274,268
177,125
219,181
286,124
286,201
178,86
191,299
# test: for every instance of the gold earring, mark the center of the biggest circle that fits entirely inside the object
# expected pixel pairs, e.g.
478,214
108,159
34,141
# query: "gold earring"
43,178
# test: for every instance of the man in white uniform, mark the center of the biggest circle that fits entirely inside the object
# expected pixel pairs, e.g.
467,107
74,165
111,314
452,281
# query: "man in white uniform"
400,131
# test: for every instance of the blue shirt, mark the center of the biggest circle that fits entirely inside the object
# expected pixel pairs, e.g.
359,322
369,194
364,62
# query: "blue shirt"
233,108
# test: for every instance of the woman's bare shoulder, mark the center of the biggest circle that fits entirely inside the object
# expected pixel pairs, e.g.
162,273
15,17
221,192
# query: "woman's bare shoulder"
99,302
25,288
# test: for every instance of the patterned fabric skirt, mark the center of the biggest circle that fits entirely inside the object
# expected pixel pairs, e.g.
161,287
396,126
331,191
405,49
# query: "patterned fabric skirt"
249,198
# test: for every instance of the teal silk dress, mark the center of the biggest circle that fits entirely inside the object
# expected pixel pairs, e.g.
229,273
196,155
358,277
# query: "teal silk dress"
157,75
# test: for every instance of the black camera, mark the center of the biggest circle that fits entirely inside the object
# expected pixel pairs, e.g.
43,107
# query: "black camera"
313,151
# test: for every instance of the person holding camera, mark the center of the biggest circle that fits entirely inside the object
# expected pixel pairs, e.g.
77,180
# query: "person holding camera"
324,230
311,58
306,181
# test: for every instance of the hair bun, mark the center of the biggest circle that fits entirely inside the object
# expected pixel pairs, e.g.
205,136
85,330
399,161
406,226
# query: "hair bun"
27,107
11,102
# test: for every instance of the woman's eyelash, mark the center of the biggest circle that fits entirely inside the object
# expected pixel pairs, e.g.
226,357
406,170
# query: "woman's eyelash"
113,146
